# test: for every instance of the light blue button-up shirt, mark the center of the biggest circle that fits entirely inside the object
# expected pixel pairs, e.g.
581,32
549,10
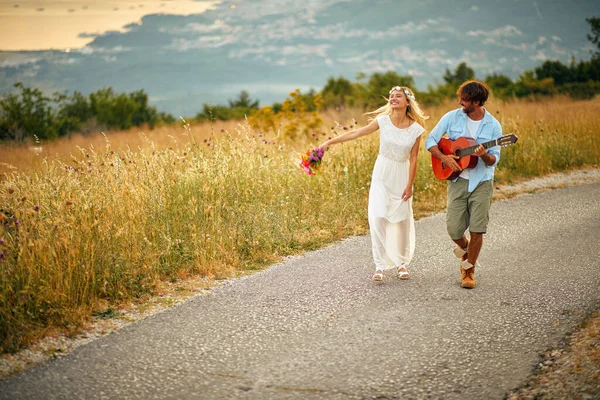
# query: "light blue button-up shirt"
454,123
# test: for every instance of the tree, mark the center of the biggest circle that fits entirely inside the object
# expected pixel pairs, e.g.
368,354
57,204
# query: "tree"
499,81
461,74
594,37
336,91
380,84
243,101
73,112
555,70
111,110
27,114
528,85
101,106
238,108
500,84
144,114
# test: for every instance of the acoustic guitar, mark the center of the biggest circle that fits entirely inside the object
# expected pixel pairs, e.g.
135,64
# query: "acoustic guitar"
464,147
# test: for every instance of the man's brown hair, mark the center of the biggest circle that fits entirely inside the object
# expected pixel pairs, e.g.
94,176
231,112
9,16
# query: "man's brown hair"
474,91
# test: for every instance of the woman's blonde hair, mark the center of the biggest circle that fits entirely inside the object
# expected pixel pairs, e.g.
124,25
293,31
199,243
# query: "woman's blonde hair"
413,111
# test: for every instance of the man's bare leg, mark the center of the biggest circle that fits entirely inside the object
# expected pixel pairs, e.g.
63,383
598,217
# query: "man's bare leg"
462,242
474,247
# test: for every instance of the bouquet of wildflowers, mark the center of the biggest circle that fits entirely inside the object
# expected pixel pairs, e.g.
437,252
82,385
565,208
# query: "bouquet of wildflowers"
311,161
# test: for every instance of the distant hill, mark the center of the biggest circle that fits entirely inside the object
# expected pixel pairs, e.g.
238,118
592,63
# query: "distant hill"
271,47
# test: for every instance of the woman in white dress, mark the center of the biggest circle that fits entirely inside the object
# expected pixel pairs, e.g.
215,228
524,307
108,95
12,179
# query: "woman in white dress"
391,222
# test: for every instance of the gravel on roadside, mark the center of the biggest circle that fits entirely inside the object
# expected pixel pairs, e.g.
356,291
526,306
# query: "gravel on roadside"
571,371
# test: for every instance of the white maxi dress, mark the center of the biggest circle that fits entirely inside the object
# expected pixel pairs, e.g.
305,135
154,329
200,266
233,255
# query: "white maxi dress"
391,220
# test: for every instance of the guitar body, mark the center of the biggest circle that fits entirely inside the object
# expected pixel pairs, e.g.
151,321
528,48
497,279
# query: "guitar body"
447,146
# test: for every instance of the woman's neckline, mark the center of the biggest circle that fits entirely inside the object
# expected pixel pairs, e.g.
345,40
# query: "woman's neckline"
392,122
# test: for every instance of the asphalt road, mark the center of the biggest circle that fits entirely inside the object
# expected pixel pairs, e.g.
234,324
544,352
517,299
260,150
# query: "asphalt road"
317,327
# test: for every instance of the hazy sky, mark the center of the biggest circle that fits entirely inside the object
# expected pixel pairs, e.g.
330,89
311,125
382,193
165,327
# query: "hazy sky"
56,24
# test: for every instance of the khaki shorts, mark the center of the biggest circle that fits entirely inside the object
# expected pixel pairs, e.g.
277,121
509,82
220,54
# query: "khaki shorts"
468,210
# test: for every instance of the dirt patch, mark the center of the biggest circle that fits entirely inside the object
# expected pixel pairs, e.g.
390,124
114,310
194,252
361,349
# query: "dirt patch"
569,372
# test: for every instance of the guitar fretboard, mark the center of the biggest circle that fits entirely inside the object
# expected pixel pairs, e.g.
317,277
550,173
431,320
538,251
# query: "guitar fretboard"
470,150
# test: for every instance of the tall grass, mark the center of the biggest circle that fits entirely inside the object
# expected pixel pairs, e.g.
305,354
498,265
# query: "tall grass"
111,223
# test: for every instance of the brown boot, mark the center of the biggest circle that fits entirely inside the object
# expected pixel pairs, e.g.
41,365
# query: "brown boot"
467,275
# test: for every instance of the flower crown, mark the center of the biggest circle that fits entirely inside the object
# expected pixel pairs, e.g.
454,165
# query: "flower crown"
406,92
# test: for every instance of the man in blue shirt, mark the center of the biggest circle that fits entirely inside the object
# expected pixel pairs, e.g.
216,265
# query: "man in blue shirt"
469,195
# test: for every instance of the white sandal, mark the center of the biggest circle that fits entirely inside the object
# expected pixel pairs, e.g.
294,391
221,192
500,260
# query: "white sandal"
378,275
402,272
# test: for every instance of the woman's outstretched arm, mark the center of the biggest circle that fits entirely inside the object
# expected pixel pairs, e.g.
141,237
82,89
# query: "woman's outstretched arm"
355,134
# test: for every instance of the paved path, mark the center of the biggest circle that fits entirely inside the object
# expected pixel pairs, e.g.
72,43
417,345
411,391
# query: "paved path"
316,327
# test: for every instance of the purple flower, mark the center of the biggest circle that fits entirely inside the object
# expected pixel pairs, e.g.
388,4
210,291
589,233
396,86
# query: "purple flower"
1,240
2,255
36,207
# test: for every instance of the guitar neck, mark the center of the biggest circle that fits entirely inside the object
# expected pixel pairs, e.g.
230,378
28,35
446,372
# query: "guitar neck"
470,150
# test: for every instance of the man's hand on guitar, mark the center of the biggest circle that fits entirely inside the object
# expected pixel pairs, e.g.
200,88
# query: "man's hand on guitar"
480,151
487,158
450,161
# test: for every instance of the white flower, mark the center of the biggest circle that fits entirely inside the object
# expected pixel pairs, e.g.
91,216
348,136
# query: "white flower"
409,94
406,92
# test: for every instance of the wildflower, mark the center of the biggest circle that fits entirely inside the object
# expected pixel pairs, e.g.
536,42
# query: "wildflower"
345,128
2,256
36,208
1,241
311,161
